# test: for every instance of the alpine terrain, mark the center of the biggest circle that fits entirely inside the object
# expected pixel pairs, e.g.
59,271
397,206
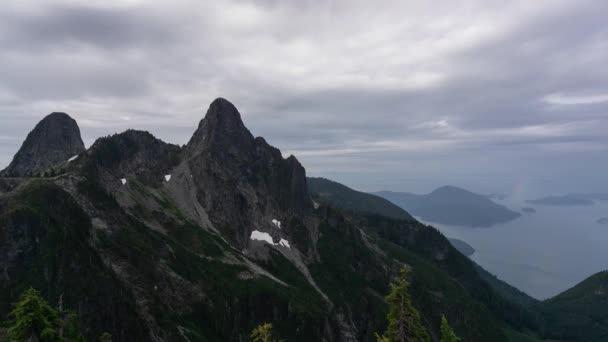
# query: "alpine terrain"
150,241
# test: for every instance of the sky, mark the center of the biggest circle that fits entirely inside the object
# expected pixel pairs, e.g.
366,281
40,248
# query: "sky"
507,97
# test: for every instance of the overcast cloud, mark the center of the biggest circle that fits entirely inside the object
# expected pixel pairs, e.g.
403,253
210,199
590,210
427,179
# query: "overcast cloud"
491,95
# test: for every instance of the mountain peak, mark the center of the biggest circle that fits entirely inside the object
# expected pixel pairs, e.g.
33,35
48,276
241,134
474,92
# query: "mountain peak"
225,158
55,139
222,112
57,116
223,126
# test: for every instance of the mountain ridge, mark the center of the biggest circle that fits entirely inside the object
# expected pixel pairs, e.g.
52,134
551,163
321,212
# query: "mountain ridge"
349,199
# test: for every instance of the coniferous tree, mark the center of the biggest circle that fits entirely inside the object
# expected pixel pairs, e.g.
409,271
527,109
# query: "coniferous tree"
33,319
263,333
447,333
105,337
403,319
69,321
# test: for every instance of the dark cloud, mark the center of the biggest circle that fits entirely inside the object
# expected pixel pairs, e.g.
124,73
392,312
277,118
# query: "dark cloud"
403,96
66,26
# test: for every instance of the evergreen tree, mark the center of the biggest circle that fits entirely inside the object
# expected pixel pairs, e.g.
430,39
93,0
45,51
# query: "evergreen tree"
105,337
69,323
33,319
447,333
403,319
263,333
382,338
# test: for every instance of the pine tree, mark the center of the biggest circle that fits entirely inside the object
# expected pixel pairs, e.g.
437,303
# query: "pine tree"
403,319
447,333
263,333
69,323
33,319
105,337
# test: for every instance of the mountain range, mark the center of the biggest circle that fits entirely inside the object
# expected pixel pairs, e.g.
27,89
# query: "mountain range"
152,241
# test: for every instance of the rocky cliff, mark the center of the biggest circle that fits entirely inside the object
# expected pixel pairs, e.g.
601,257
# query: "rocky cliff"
55,139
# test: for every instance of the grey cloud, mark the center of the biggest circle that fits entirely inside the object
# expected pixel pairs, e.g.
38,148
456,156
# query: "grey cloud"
375,95
61,26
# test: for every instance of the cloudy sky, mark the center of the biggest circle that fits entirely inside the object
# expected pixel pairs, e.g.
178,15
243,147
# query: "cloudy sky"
494,96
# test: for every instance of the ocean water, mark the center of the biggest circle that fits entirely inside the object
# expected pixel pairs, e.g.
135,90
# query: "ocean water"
542,253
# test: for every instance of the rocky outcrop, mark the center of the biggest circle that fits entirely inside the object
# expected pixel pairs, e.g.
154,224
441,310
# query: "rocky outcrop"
242,181
136,154
55,139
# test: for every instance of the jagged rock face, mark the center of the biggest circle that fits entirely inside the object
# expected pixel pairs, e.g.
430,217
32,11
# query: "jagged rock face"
55,139
132,153
242,181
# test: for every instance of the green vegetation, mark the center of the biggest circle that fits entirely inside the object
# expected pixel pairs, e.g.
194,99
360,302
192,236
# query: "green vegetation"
105,337
403,319
580,313
477,303
447,333
518,336
505,290
33,319
350,275
61,264
345,198
264,333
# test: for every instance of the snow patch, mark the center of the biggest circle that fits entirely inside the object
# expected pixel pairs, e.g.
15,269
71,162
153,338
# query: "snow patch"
276,223
262,236
167,177
123,181
74,157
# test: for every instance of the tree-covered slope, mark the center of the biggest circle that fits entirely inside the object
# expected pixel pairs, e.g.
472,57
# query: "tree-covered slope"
333,194
580,313
343,197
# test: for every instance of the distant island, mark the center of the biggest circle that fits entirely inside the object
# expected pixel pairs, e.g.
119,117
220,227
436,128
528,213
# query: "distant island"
452,206
580,199
603,221
529,210
462,247
567,200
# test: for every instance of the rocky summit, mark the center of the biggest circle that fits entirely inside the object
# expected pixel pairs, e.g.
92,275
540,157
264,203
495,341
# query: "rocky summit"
150,241
241,181
55,139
